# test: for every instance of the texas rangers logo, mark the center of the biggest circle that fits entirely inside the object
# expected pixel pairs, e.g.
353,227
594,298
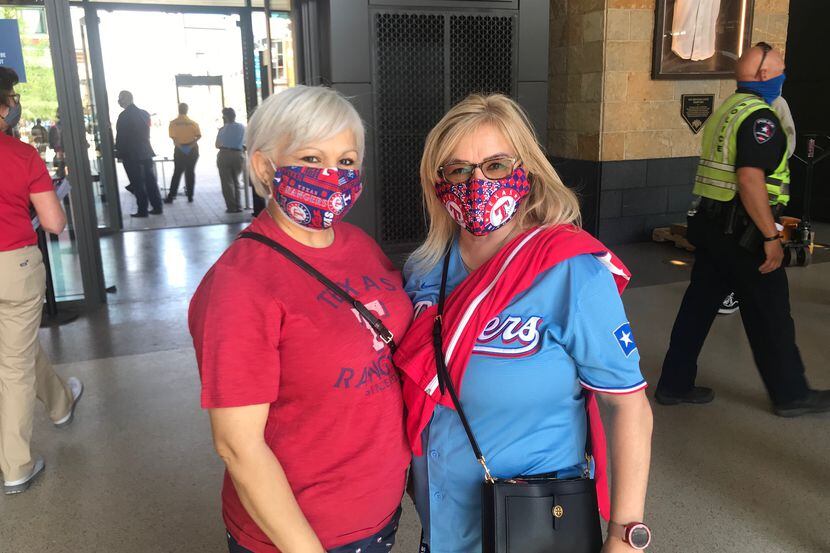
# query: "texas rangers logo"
501,206
455,210
298,212
625,339
518,337
763,130
336,203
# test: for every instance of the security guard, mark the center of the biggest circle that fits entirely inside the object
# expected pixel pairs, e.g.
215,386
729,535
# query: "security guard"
743,181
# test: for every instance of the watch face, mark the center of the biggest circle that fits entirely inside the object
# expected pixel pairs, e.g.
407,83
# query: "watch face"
639,537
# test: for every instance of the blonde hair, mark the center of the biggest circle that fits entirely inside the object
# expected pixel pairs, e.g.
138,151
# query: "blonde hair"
549,201
297,117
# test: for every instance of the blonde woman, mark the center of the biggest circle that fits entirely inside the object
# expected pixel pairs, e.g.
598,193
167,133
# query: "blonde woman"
531,323
304,402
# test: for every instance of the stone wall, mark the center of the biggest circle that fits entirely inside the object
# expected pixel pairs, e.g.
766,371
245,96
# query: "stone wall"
577,37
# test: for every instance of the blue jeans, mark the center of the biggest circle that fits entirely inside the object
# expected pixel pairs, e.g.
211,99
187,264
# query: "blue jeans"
381,542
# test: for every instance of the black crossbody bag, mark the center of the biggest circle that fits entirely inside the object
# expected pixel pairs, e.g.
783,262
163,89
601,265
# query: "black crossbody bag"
383,333
526,514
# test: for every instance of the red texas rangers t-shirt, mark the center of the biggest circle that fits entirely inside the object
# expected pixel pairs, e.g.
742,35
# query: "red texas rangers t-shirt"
267,332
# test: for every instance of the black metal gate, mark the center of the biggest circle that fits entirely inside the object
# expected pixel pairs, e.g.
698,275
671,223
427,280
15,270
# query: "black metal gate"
424,62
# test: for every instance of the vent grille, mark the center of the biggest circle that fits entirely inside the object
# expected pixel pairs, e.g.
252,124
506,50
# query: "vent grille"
409,96
424,63
481,55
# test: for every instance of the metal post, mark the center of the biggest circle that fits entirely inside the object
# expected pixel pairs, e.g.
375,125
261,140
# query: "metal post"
102,109
62,47
305,20
269,62
297,35
249,76
248,71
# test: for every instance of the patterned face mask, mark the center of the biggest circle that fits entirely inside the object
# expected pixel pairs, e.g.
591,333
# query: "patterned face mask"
316,198
482,205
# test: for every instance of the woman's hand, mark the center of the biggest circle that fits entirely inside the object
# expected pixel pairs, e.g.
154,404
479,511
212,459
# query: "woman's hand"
616,545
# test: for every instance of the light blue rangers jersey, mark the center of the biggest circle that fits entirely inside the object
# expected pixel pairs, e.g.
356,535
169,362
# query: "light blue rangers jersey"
522,390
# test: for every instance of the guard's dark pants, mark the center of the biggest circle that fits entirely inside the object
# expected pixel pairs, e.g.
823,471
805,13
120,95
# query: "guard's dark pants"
184,163
142,177
721,266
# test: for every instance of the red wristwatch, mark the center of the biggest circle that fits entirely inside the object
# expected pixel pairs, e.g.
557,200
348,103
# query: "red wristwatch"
635,534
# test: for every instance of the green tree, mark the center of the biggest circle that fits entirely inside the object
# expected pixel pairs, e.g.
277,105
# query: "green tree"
39,95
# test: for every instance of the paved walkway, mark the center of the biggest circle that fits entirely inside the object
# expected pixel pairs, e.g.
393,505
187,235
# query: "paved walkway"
208,207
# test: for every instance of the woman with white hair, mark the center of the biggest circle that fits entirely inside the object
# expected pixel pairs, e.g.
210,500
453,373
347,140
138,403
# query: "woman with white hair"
293,327
518,325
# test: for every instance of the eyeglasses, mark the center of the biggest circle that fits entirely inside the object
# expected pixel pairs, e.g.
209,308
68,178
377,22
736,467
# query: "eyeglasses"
494,169
15,97
765,47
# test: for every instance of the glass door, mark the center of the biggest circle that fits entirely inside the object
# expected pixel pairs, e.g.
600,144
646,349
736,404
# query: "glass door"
96,118
41,127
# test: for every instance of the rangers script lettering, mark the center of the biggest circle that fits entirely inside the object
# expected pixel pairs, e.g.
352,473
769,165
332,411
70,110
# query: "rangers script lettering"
509,329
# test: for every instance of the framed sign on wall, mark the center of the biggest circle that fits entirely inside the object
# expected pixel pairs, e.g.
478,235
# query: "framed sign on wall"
700,39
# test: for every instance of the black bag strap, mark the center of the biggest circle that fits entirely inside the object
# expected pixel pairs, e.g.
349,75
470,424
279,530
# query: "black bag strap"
377,325
445,381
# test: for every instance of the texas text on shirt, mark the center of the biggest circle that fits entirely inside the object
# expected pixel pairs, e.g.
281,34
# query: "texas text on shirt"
522,390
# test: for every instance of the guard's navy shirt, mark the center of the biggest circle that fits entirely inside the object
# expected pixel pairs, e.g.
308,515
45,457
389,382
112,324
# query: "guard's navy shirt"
522,390
761,140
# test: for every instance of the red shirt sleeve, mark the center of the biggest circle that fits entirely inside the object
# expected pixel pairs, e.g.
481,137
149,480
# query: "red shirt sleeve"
39,179
236,332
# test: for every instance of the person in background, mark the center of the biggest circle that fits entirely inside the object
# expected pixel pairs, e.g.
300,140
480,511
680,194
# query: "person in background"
743,180
230,140
782,109
132,143
25,370
56,144
40,138
185,133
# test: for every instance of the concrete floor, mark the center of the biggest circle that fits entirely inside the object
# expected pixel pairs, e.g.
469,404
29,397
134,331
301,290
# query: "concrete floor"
136,471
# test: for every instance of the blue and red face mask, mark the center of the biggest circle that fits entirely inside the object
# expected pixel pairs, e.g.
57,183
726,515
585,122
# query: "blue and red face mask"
482,205
316,198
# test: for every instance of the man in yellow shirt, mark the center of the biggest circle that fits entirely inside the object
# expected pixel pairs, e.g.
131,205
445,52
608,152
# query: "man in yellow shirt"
185,133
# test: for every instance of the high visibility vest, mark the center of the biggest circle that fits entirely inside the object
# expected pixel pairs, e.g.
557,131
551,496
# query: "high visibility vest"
716,177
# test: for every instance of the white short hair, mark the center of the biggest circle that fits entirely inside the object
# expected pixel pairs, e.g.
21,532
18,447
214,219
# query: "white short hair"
297,117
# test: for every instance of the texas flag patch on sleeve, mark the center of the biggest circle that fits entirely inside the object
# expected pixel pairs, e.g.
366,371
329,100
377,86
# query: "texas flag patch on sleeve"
625,339
763,130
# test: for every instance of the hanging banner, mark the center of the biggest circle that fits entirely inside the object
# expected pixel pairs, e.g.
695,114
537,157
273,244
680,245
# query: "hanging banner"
11,52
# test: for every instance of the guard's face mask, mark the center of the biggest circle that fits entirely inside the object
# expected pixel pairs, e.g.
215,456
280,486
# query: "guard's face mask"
769,90
13,117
